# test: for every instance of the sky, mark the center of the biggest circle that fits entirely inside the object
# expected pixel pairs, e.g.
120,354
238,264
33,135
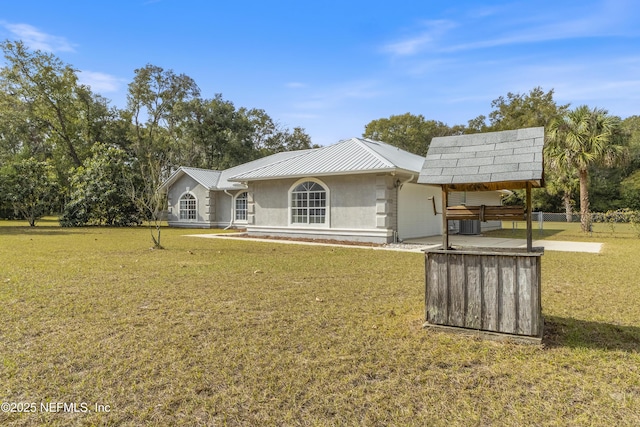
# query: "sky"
331,67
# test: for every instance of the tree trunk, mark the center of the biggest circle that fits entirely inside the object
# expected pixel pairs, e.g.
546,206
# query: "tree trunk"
566,199
585,215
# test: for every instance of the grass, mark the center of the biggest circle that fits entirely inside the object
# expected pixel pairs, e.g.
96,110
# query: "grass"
219,332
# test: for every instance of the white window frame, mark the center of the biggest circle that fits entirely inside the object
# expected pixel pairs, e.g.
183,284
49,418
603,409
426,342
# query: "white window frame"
195,207
246,207
326,207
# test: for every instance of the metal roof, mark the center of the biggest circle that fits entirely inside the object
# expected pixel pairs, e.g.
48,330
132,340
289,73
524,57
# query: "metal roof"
226,184
355,155
217,180
206,177
506,159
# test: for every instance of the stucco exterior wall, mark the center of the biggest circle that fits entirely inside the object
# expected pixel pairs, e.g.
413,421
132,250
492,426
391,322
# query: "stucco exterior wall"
366,207
360,208
205,205
420,211
223,208
268,202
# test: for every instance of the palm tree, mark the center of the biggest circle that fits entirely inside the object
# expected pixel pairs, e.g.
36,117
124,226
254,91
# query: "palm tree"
564,182
581,138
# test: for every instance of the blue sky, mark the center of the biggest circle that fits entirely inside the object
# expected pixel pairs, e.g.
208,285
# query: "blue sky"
333,66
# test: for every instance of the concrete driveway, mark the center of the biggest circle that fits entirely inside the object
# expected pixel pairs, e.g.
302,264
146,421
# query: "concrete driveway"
495,242
420,244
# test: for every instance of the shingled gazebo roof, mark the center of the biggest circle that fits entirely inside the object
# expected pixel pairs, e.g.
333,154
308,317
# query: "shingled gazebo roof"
486,161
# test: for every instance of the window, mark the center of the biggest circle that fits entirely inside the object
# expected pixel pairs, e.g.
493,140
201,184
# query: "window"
308,203
188,206
241,206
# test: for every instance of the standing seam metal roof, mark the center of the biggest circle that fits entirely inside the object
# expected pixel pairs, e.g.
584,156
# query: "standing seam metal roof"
355,155
206,177
347,156
217,180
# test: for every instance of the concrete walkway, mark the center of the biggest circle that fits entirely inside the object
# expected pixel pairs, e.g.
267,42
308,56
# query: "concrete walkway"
495,242
418,245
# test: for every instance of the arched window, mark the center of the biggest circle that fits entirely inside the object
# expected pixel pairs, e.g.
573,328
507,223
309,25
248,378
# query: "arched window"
241,206
308,203
188,207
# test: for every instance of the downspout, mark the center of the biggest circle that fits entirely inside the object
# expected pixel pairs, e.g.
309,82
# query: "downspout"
398,187
230,218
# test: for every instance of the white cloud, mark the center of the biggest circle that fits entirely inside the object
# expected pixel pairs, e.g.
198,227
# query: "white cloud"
39,40
505,26
425,39
100,82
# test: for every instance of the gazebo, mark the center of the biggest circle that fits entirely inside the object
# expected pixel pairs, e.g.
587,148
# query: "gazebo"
493,290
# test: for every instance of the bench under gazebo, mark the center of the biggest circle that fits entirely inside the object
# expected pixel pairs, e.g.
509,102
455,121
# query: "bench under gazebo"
495,291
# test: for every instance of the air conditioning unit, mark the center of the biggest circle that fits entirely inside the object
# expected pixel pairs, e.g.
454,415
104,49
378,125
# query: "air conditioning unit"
469,226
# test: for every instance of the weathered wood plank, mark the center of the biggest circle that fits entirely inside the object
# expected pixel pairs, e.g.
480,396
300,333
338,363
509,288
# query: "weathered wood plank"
489,317
537,322
498,292
508,295
535,307
473,318
457,290
525,289
486,213
436,288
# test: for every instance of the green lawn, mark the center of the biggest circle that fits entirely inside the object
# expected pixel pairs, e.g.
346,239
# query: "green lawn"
219,332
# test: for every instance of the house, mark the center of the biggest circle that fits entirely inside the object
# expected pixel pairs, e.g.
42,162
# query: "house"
356,190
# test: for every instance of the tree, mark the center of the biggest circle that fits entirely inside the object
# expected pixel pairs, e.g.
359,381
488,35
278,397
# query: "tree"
214,135
52,100
20,136
30,188
407,131
477,125
154,101
146,195
270,137
561,180
516,111
581,138
631,129
297,140
99,191
630,191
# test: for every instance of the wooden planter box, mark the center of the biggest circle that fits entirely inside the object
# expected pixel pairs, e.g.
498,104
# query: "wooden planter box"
485,289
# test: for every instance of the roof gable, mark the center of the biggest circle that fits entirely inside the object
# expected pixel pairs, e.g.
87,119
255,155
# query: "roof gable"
206,177
506,159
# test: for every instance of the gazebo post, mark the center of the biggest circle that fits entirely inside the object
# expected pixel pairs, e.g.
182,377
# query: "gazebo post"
445,222
529,228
